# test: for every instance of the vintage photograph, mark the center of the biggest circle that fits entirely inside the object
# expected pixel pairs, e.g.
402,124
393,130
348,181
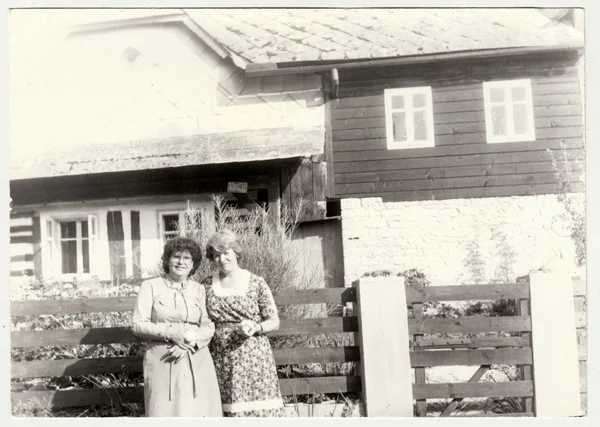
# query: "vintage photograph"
297,212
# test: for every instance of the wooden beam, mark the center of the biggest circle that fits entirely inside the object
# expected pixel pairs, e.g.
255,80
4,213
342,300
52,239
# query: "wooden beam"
475,378
246,201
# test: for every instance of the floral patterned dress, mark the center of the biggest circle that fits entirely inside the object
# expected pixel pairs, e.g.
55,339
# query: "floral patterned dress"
245,366
187,388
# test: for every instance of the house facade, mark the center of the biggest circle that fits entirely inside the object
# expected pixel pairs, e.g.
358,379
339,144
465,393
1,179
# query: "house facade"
155,118
414,147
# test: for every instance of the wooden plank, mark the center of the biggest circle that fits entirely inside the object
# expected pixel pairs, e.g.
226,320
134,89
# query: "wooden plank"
474,378
526,370
450,183
460,150
548,88
120,304
136,247
385,359
335,385
301,355
420,374
554,343
317,326
124,335
570,116
58,337
76,367
456,172
466,292
328,141
441,343
560,99
514,190
67,306
112,396
470,325
463,390
116,243
497,415
319,184
111,365
503,356
357,113
82,397
315,296
414,162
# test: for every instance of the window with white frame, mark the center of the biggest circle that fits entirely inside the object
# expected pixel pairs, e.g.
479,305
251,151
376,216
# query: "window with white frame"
509,111
171,224
409,117
69,245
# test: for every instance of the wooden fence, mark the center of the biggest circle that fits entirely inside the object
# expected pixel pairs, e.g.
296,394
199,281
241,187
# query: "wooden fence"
426,339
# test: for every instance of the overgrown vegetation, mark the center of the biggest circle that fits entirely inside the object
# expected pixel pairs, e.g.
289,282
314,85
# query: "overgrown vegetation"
574,206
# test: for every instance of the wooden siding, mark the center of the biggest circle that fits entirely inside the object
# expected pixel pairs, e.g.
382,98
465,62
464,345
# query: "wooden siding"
461,164
303,185
24,244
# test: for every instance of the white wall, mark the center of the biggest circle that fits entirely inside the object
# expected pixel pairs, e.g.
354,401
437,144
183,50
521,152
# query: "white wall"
150,243
456,241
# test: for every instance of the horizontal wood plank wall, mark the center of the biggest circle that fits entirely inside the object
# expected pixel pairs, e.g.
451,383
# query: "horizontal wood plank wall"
24,245
461,164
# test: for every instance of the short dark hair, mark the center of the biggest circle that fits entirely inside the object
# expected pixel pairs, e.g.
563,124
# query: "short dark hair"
180,244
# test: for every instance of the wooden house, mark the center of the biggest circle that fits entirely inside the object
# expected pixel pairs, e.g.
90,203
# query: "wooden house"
429,132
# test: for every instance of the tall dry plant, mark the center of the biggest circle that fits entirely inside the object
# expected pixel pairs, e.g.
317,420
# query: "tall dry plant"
267,235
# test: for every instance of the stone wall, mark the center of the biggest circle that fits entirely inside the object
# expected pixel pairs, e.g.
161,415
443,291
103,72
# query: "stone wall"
460,241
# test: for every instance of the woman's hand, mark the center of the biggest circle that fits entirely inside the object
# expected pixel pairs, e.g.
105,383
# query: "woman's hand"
182,339
249,328
174,354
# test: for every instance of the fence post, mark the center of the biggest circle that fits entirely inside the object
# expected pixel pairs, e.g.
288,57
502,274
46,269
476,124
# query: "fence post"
385,347
523,309
554,346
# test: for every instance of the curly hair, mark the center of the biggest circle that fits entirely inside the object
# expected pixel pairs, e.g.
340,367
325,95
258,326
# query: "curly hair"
222,241
180,244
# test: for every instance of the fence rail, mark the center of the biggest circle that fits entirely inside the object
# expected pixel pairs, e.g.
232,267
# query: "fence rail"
426,351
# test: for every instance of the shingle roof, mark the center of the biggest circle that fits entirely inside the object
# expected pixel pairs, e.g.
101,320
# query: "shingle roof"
298,35
203,149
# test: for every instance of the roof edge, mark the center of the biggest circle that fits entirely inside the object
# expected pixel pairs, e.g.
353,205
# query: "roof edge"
168,18
272,68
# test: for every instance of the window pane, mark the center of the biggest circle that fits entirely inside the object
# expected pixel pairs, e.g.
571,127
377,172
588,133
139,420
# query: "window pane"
69,256
420,126
68,230
170,222
496,95
397,102
520,118
499,120
418,100
84,229
85,249
399,126
518,93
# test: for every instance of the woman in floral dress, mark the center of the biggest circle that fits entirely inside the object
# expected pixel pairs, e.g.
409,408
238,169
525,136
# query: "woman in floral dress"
242,307
170,313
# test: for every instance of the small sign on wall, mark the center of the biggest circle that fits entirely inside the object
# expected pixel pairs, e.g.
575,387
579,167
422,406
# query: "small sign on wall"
237,187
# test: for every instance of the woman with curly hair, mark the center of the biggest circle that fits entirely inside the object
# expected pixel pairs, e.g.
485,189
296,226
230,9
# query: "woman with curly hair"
170,313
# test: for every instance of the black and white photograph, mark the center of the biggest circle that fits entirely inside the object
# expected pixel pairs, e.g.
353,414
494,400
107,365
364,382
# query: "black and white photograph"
297,212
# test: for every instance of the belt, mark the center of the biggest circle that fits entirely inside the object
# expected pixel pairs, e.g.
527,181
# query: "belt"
189,357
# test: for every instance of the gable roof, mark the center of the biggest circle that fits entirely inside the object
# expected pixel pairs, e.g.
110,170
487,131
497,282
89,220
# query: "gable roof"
310,35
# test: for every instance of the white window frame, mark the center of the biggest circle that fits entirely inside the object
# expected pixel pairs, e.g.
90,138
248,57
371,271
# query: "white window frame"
161,228
510,136
52,253
409,110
